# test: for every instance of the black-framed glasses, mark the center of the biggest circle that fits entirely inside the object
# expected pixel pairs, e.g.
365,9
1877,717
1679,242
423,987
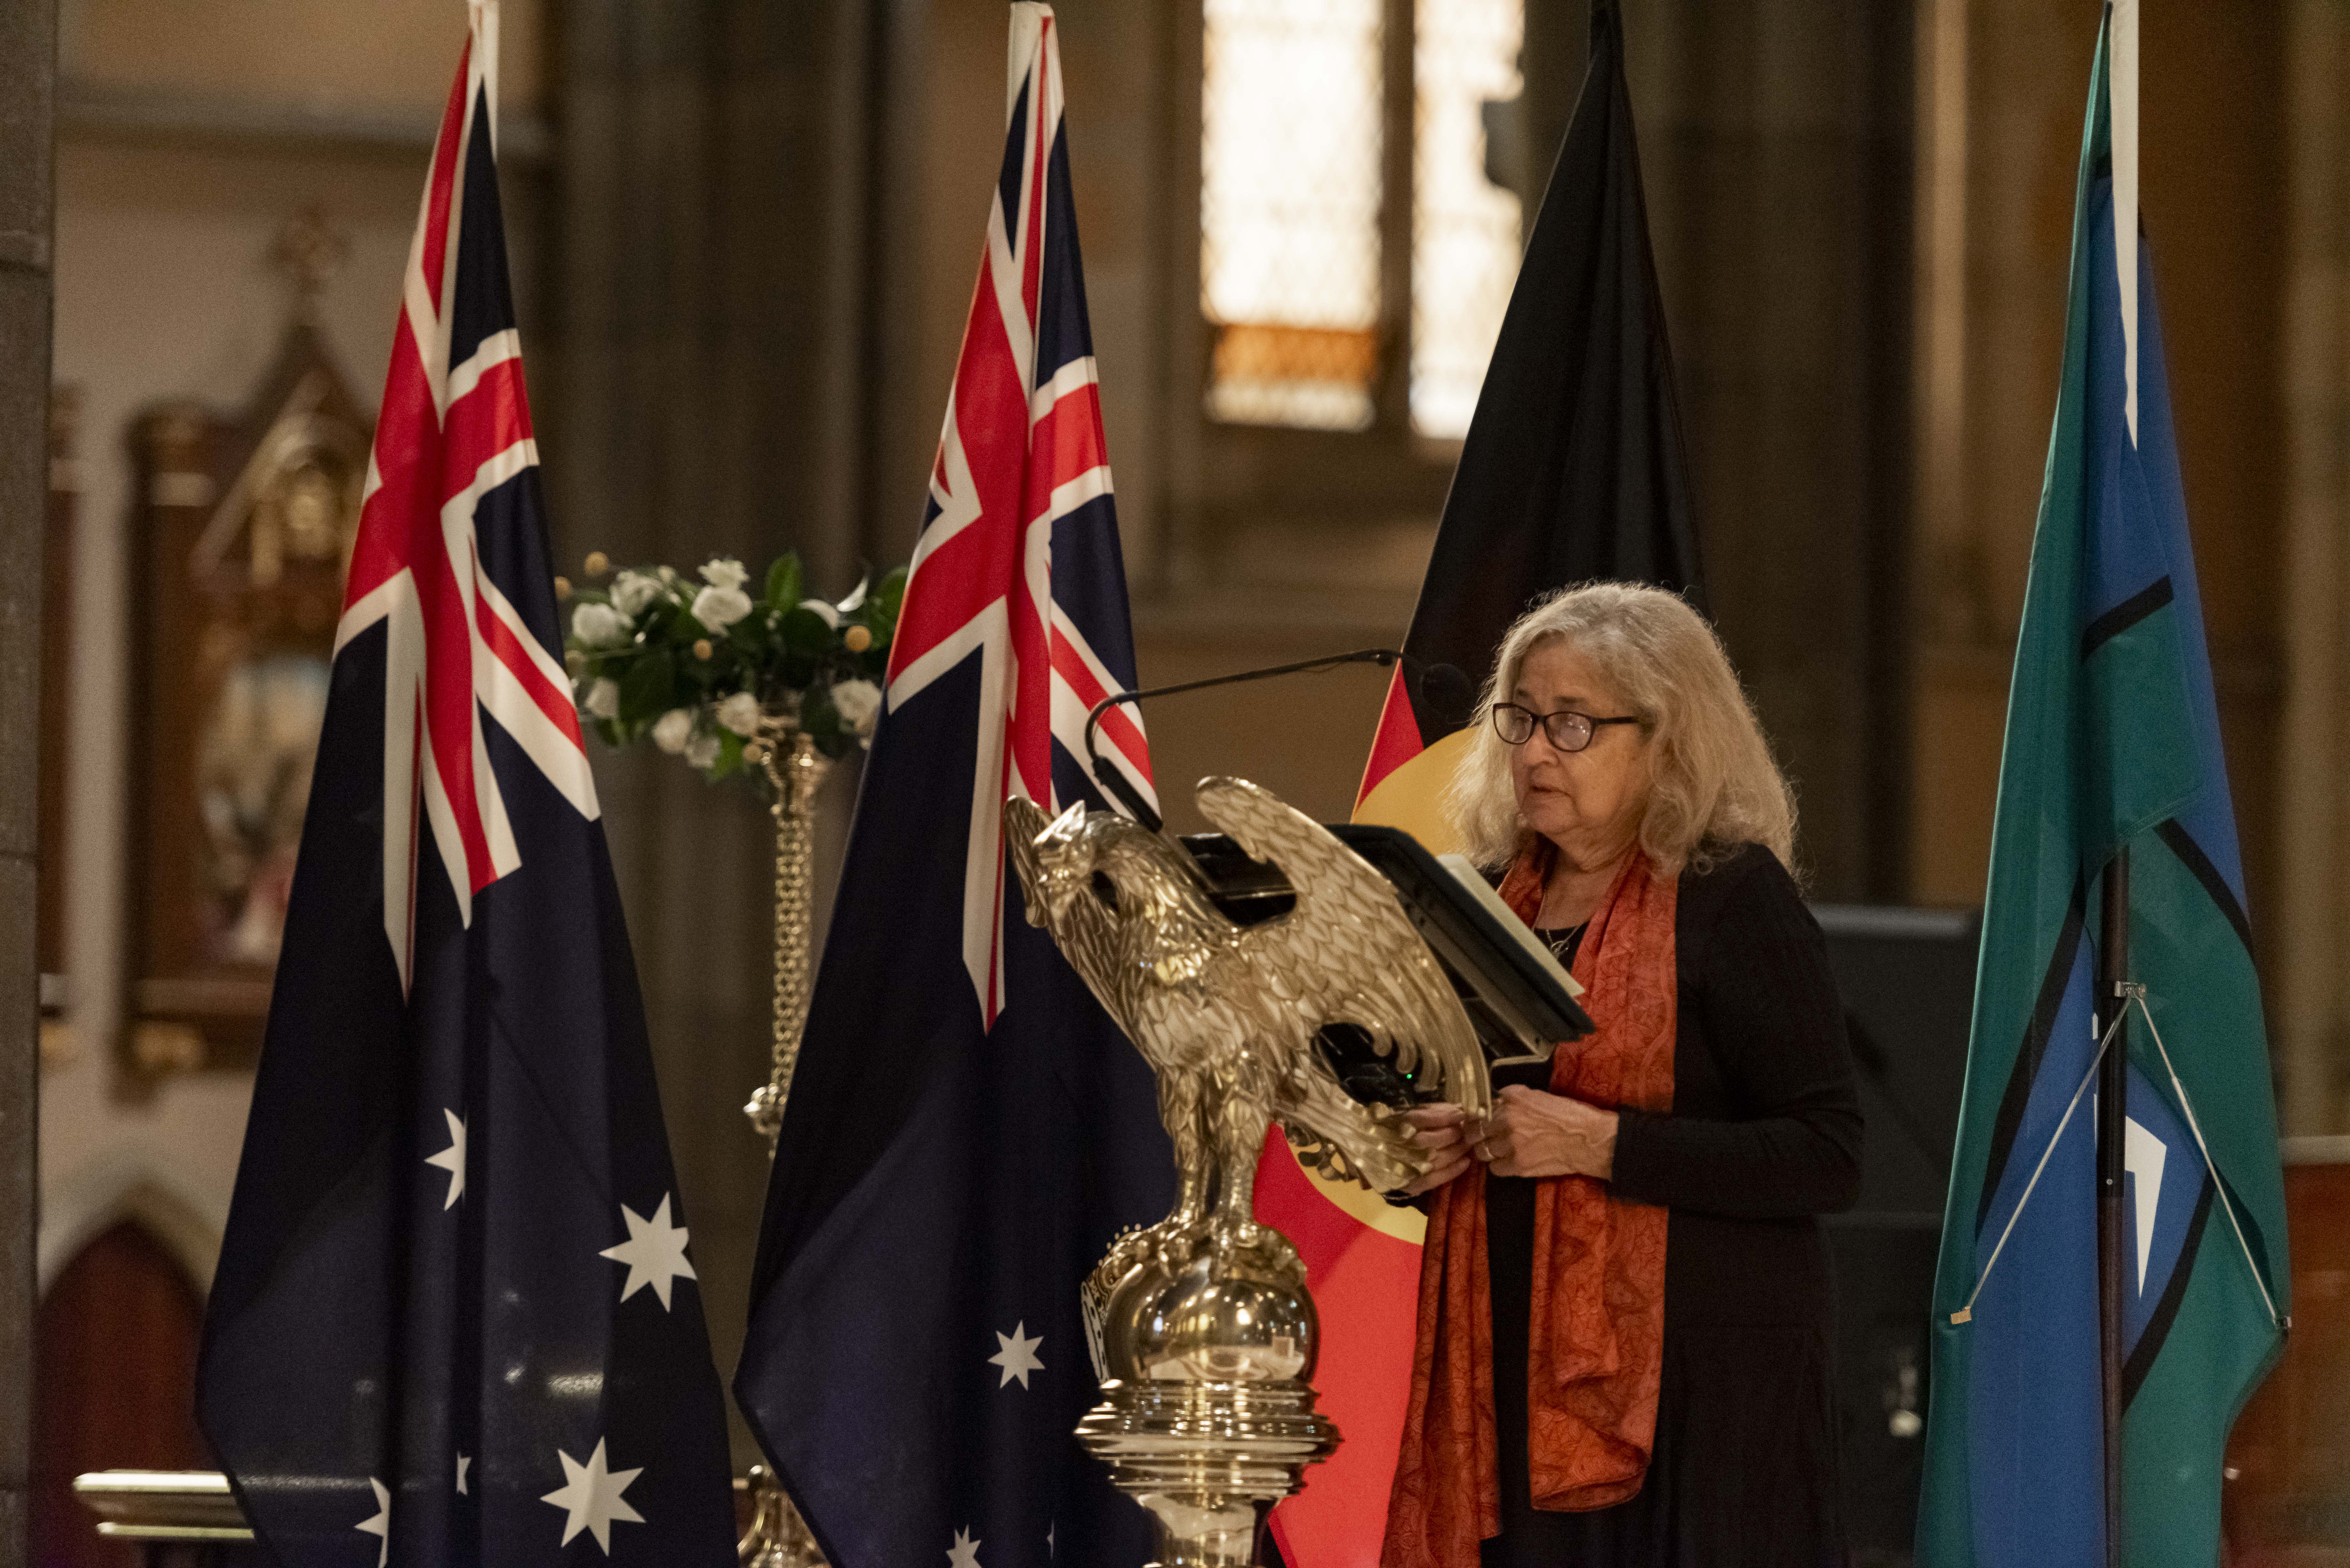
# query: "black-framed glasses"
1568,730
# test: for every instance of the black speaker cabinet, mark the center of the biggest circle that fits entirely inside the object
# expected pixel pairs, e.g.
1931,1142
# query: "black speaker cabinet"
1907,980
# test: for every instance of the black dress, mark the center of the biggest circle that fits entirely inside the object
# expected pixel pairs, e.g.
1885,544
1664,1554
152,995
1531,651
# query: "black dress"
1764,1136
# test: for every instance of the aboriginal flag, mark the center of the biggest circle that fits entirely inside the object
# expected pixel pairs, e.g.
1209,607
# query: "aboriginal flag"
1574,469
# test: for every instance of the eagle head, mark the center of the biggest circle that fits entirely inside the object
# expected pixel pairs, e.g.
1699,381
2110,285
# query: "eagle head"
1057,862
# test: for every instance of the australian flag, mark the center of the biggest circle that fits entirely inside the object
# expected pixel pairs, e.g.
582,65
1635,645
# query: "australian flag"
455,1320
968,1130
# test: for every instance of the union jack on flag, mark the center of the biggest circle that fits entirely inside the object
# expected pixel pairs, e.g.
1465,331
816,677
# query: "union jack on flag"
966,1129
455,1321
1018,558
455,441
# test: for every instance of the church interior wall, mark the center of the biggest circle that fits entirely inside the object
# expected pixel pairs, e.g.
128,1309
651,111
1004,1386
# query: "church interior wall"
745,243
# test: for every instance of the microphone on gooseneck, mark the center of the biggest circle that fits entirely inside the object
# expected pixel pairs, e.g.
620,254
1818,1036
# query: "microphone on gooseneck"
1445,694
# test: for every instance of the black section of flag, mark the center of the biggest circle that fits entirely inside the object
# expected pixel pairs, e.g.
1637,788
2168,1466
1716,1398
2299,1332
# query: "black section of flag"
2182,844
2125,614
1575,466
2166,1311
2018,1095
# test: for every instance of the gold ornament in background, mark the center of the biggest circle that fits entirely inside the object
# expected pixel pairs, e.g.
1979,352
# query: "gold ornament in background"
795,770
778,1537
1201,1327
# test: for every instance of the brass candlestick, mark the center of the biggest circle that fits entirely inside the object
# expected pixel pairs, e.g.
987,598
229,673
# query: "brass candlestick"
778,1537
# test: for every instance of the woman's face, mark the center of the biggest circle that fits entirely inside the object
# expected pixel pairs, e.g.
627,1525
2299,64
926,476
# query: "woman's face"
1588,802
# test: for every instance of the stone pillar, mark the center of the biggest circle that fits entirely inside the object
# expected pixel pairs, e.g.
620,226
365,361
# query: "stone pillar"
2311,920
704,393
28,50
1775,141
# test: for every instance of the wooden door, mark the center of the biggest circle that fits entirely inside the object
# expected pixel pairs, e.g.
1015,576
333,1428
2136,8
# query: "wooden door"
114,1386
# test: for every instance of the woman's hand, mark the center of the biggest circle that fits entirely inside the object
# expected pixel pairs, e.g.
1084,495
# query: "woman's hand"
1444,1132
1534,1134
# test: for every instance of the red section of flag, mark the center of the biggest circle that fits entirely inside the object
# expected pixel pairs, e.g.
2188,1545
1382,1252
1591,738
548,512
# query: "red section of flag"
1365,1285
1397,742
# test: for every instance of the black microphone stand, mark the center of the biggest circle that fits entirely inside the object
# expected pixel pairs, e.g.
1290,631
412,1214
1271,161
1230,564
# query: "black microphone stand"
1114,783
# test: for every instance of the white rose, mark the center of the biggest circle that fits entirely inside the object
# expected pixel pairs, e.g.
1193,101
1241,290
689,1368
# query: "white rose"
720,608
859,702
823,612
739,713
725,572
603,700
632,591
599,625
672,730
701,751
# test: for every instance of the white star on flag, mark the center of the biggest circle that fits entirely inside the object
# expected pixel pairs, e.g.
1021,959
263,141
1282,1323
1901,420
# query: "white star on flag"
380,1526
464,1463
1018,1356
964,1552
453,1160
591,1496
654,1252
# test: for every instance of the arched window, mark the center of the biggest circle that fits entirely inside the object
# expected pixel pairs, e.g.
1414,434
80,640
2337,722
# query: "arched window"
1295,216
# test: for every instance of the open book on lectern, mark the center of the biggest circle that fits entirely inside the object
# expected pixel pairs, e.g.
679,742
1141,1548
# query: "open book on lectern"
1518,996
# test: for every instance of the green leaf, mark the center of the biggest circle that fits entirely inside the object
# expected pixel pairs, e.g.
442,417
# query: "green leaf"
805,633
783,581
649,688
881,606
730,756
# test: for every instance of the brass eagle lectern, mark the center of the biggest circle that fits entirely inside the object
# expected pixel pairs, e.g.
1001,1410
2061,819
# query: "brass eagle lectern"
1204,1332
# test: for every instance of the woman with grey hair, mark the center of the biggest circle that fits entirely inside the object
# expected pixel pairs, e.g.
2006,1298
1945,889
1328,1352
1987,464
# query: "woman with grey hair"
1624,1340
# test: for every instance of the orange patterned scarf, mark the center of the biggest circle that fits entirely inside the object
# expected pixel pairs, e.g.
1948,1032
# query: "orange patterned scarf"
1598,1321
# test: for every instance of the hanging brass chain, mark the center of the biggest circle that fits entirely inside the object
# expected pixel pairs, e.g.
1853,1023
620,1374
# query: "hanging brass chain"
794,771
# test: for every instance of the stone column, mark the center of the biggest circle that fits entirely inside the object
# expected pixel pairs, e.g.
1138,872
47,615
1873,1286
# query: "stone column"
28,52
704,393
1776,142
2311,921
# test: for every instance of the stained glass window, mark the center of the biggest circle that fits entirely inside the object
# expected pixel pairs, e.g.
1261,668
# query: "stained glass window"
1290,143
1293,124
1465,230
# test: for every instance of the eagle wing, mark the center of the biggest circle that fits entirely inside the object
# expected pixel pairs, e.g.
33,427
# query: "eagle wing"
1347,953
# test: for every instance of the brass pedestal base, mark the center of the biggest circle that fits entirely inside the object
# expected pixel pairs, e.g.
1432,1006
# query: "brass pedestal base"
1208,1460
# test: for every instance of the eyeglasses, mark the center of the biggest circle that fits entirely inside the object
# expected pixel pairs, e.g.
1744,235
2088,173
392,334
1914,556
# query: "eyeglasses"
1568,730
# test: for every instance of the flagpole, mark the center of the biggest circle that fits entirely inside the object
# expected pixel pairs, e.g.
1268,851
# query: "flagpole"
2113,1089
2113,953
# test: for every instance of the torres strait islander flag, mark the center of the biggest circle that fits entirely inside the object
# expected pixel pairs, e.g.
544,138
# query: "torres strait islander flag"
967,1130
455,1321
2113,743
1572,470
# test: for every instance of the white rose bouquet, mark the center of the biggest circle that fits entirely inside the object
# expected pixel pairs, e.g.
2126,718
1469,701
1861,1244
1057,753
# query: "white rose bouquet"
693,664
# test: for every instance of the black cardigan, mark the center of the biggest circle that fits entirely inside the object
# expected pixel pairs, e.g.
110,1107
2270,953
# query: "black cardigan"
1763,1137
1764,1133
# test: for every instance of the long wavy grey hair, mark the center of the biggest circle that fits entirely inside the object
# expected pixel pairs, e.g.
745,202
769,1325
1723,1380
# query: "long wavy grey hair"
1713,783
